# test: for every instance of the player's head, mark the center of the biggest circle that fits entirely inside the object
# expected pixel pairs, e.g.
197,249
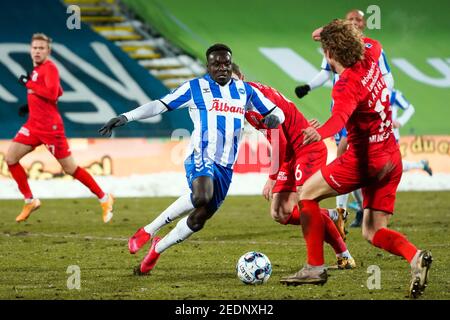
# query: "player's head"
342,43
356,17
236,72
218,63
40,48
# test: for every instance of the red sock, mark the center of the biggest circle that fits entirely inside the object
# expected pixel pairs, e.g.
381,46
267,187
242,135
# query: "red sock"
395,243
85,178
18,173
294,217
332,235
313,231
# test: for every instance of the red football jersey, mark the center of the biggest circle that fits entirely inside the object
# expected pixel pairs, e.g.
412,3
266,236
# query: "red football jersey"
361,103
294,120
44,89
290,137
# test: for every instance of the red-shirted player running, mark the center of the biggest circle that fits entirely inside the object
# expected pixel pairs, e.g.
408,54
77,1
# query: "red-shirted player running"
293,163
45,126
372,161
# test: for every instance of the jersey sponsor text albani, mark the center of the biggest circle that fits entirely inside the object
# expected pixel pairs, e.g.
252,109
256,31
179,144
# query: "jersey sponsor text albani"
218,116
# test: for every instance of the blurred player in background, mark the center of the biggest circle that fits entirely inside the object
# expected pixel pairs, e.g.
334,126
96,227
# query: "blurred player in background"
372,161
216,105
399,102
45,126
357,18
292,164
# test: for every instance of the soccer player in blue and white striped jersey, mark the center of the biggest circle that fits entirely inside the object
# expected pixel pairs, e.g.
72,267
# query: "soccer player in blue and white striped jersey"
217,105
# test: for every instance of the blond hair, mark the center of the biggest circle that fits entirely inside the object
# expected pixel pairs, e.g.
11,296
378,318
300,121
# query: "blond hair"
343,41
43,37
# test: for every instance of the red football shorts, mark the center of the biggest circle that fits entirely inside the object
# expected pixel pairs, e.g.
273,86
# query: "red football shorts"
56,142
297,169
378,174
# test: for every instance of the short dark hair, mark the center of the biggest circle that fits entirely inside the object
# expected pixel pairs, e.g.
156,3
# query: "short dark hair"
217,47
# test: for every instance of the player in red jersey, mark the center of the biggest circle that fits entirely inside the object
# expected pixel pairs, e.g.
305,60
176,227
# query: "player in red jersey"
45,126
357,18
372,161
292,163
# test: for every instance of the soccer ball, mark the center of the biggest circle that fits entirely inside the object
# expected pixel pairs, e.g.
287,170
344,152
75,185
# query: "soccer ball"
254,268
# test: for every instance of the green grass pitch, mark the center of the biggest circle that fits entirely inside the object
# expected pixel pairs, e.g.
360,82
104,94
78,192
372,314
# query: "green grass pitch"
36,254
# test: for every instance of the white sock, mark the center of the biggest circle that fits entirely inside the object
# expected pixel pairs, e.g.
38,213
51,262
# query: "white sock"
341,201
333,214
357,194
180,233
104,199
407,165
318,268
181,206
28,201
345,254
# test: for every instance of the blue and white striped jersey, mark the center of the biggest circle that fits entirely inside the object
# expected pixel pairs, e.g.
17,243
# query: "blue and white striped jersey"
398,101
218,114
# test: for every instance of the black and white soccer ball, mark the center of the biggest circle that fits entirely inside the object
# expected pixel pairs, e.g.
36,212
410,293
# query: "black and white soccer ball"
254,268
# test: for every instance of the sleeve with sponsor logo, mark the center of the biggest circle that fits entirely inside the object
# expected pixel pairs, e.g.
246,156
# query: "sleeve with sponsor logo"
345,98
178,98
51,89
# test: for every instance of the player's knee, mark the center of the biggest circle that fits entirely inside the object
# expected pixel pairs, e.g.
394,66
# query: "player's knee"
68,167
201,199
367,233
306,192
69,170
11,159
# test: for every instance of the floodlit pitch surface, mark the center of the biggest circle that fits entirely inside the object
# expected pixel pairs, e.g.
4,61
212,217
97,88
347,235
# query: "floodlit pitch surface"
36,254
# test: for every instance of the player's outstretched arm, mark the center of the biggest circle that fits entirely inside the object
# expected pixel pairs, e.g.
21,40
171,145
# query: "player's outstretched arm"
273,116
319,80
115,122
145,111
148,110
345,98
302,90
